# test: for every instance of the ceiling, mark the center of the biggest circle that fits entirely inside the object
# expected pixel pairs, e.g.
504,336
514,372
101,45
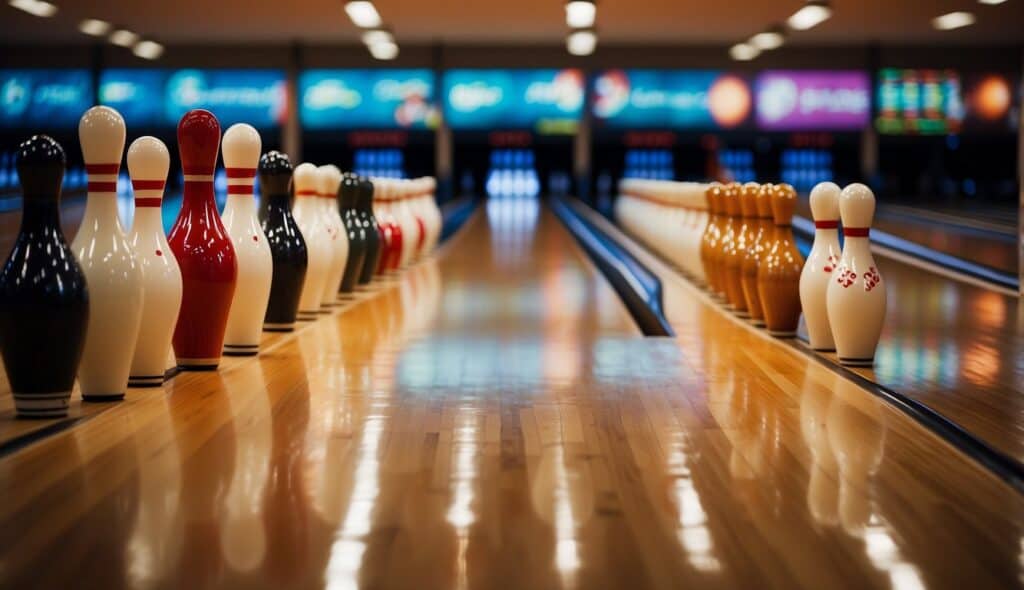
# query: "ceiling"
518,21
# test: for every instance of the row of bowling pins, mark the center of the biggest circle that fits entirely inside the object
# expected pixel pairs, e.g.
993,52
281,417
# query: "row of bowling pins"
119,301
737,241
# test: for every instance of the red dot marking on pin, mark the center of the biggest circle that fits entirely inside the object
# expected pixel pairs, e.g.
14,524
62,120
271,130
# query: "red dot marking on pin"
255,239
159,253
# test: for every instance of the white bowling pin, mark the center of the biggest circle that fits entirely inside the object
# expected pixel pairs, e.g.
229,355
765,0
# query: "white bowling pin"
148,162
241,151
822,260
306,182
327,206
856,293
111,271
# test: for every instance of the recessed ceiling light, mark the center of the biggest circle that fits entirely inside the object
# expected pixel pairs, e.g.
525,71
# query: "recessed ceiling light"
35,7
953,20
991,2
148,49
582,42
385,50
378,36
743,52
94,27
771,39
811,15
123,38
580,14
363,14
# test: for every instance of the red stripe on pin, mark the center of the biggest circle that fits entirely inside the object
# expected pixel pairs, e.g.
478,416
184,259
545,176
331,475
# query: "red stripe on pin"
148,185
856,232
148,202
102,168
827,224
240,189
306,193
240,172
102,187
191,171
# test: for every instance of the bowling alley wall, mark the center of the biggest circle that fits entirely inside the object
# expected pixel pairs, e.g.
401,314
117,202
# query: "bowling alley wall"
909,121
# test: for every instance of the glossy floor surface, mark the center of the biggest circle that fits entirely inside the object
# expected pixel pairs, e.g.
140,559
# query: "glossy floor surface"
493,419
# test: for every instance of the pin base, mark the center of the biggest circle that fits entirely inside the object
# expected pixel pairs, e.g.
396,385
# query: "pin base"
145,381
279,327
848,362
757,323
103,397
41,406
199,364
782,333
240,352
833,349
742,314
307,316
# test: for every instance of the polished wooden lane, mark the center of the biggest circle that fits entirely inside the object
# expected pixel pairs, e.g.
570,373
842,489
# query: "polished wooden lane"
955,347
495,421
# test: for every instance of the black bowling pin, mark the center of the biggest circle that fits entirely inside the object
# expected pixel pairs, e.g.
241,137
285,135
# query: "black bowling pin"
287,246
348,197
364,205
44,302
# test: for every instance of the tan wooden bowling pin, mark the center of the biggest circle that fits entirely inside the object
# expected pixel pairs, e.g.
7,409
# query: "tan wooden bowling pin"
113,275
241,148
778,275
822,260
148,163
730,213
742,241
712,233
856,297
763,231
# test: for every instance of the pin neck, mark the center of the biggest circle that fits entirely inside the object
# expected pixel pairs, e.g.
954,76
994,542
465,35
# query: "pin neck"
40,211
856,232
826,224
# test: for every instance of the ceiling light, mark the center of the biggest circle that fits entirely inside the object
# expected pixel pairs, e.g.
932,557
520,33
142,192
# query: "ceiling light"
953,20
743,52
770,39
148,49
580,14
363,13
123,38
378,36
94,27
385,50
35,7
811,15
582,42
991,2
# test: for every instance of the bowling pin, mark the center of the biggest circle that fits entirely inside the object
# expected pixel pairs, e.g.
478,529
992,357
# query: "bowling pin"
327,207
752,259
778,274
241,148
287,246
111,270
306,183
730,206
712,233
746,202
43,292
348,195
856,295
822,259
209,268
148,163
374,233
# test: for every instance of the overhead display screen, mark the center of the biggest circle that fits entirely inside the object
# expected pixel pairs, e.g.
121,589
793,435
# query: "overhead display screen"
367,99
919,102
672,99
992,102
44,99
157,98
546,101
812,100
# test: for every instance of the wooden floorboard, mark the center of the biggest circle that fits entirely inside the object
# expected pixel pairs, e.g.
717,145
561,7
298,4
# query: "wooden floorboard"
494,420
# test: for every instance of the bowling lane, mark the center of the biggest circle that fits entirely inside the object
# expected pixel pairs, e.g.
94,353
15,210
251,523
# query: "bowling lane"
492,419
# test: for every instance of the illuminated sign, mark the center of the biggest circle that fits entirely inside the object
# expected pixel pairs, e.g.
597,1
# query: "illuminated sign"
668,99
44,99
547,101
813,100
367,99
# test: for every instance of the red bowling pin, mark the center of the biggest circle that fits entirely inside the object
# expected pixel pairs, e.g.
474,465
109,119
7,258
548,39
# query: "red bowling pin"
205,255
